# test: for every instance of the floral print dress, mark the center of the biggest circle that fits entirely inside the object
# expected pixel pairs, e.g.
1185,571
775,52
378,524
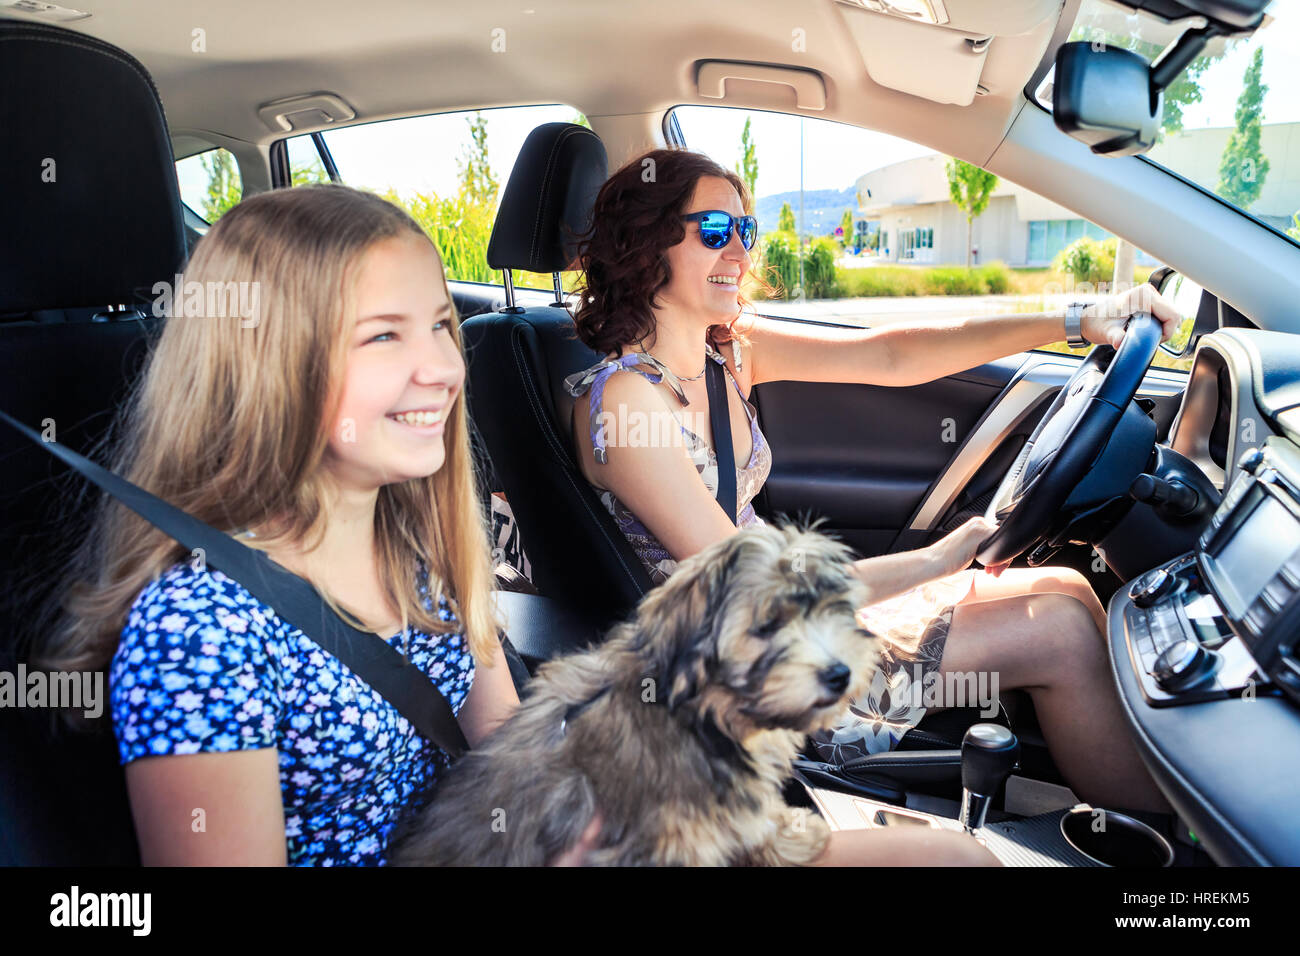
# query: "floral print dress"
749,479
205,667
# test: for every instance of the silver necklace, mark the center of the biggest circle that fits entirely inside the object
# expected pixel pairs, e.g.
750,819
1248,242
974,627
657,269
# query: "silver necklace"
682,378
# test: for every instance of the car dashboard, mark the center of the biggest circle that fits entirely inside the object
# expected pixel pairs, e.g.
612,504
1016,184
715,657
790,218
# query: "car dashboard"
1204,647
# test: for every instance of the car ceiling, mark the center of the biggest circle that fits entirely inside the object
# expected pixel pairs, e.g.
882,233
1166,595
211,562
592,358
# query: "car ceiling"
622,63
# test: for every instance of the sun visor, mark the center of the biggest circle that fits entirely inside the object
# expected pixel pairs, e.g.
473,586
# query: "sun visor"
938,61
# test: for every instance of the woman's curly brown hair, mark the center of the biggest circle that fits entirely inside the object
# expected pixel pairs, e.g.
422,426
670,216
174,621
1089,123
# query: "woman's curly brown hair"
636,219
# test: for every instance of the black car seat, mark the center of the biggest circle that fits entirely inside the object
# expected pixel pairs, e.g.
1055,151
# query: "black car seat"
91,219
517,360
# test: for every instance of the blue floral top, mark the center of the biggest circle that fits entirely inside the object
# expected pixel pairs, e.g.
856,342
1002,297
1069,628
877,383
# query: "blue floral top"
203,666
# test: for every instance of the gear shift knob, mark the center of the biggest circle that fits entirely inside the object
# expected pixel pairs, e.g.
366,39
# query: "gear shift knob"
989,752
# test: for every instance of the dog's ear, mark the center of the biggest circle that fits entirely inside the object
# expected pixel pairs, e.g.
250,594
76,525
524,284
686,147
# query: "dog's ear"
680,621
686,673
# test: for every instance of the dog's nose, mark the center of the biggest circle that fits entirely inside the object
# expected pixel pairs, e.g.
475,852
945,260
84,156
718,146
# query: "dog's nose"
835,678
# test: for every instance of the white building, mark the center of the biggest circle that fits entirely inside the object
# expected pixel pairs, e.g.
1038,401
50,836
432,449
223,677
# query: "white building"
908,202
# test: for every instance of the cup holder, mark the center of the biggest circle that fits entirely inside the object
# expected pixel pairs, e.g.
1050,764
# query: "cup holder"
1115,839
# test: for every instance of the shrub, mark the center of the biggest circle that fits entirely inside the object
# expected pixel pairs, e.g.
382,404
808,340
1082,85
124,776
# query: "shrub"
991,279
819,270
880,281
996,278
779,263
459,228
1087,260
953,280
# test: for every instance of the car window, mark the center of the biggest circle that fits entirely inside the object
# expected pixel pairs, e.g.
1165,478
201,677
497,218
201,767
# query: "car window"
1231,121
209,182
448,170
863,228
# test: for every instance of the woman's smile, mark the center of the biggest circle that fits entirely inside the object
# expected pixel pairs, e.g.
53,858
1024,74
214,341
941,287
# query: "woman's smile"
424,421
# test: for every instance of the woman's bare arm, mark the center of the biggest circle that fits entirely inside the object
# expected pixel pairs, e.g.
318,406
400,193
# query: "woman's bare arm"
492,699
899,354
890,574
925,349
208,809
655,480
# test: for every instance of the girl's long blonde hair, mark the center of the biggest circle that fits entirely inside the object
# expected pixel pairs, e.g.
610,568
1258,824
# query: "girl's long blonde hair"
230,423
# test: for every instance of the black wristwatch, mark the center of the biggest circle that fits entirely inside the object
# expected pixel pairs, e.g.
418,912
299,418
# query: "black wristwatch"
1074,325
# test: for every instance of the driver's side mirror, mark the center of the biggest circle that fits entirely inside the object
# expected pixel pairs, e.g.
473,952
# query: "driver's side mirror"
1192,302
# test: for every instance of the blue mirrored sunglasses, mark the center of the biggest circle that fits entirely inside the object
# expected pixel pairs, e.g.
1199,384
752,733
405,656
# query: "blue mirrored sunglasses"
715,228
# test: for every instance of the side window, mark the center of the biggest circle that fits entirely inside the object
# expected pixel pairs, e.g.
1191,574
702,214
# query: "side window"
209,182
305,164
448,171
853,223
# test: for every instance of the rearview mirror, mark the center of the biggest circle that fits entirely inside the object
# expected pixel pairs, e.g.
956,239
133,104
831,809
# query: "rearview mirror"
1103,96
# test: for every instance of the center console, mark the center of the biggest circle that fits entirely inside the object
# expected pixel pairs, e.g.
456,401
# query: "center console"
1204,655
1222,620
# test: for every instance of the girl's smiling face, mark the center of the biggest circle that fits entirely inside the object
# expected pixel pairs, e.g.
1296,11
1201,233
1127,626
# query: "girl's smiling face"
706,281
404,371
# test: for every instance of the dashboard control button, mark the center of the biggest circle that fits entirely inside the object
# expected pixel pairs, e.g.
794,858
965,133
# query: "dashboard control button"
1151,587
1184,664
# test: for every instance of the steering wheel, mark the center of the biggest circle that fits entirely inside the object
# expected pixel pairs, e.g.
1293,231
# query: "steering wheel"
1068,441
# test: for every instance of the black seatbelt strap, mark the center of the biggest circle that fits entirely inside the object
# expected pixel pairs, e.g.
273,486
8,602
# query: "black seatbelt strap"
294,599
720,422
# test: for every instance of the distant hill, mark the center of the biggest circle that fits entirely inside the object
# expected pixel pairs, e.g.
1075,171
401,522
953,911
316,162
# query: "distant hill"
822,209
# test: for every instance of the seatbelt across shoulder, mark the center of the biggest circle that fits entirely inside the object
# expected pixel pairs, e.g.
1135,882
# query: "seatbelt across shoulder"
720,423
294,599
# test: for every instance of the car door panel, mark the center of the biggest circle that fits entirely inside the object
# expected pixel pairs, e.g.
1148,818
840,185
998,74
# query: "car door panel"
890,469
863,456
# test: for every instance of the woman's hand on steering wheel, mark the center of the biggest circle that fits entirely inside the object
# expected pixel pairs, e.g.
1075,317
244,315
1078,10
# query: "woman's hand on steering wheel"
955,551
1103,322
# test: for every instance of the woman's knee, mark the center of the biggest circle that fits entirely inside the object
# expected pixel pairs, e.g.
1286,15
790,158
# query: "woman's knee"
1069,628
1028,640
1076,584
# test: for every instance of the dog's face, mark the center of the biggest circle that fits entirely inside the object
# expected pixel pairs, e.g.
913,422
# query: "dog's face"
760,631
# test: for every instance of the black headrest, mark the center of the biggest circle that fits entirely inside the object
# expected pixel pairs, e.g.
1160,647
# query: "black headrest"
91,212
547,202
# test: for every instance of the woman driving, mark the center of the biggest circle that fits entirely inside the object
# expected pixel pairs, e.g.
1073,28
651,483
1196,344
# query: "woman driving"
664,263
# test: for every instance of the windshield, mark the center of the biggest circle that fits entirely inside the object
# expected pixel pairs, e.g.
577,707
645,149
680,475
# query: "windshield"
1231,121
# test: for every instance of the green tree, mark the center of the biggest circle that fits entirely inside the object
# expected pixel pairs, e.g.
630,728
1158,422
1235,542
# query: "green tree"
785,221
306,173
969,187
580,119
1243,166
224,184
846,227
1294,231
748,165
476,177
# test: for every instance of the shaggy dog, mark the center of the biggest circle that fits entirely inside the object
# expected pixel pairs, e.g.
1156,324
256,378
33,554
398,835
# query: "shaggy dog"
680,728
